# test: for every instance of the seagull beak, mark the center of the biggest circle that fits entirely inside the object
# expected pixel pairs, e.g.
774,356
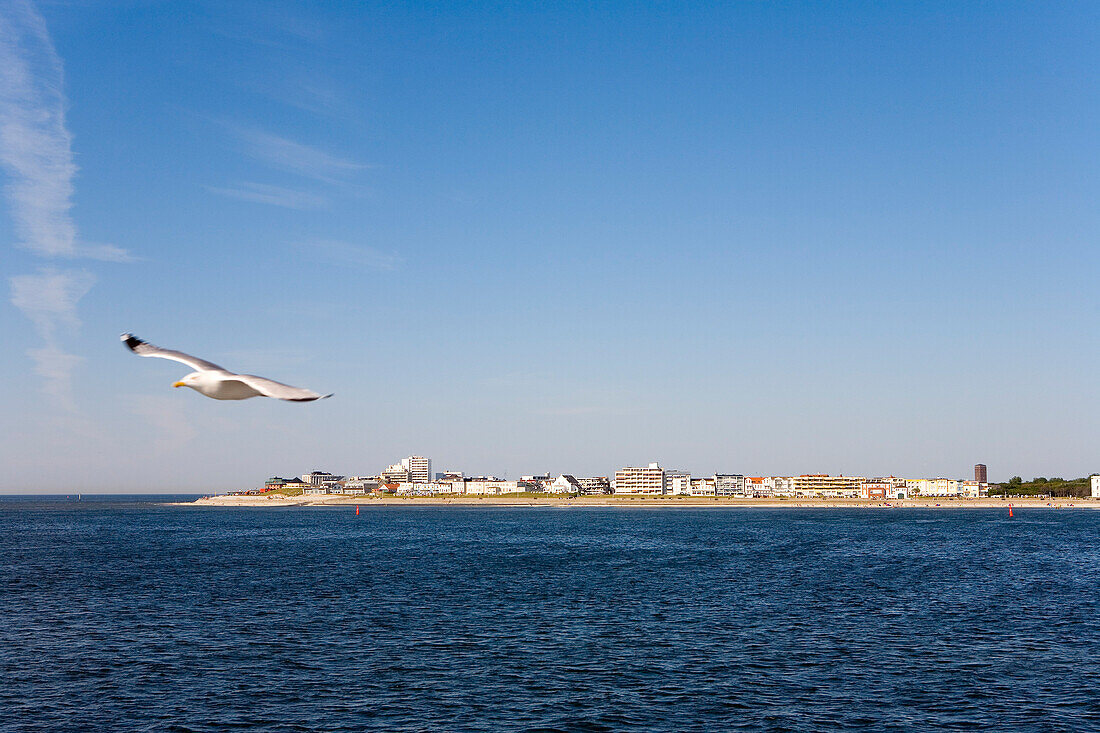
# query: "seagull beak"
179,384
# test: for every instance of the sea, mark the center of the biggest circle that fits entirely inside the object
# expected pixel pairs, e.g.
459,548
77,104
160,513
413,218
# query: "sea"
125,613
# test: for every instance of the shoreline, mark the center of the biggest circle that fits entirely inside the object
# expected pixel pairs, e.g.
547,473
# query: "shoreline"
635,502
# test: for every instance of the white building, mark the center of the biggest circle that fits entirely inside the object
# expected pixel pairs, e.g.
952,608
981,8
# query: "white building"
644,481
702,487
564,484
1095,480
677,483
973,489
395,474
755,487
729,484
779,486
320,478
419,468
493,487
932,486
424,488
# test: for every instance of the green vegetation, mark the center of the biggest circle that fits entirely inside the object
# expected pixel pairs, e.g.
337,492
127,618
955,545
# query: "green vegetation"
285,492
1041,485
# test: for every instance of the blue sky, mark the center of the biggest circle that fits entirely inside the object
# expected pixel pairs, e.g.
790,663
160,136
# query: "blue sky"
851,238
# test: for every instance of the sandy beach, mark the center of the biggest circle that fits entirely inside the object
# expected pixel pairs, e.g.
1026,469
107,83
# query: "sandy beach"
637,502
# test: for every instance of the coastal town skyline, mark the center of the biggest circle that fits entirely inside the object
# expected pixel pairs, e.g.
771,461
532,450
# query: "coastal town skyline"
414,476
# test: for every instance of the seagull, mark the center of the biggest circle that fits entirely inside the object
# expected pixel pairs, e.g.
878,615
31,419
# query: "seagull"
213,381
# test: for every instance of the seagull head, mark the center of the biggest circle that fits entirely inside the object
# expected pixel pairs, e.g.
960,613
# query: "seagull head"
191,380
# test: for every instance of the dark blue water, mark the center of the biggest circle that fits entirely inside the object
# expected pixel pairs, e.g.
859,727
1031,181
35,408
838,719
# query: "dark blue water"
132,616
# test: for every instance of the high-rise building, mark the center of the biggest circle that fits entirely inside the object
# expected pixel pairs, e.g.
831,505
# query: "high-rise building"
636,480
419,468
980,474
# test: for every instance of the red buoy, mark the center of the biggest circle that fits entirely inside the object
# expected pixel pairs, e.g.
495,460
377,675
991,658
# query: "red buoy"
1010,510
357,510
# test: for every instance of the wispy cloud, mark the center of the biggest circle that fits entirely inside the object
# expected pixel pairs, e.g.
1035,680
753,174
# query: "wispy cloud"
49,298
56,367
36,155
341,253
262,193
288,155
35,144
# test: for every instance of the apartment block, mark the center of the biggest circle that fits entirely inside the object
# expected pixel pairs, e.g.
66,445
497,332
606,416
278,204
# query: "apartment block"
643,481
932,486
729,484
419,468
821,484
595,485
677,483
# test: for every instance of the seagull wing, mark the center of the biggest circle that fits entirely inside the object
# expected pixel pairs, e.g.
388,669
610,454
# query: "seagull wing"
278,390
144,348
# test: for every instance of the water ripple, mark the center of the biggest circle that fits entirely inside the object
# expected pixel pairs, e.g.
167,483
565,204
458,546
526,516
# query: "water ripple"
143,617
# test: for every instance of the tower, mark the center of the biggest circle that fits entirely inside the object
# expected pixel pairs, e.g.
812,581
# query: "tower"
980,474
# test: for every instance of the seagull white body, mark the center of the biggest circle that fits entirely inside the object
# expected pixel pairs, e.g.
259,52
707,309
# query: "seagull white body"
218,383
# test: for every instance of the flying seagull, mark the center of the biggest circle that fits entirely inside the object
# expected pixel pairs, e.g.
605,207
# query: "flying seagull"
213,381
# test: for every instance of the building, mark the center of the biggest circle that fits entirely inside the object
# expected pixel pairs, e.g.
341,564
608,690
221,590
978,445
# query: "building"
677,483
780,486
980,474
755,487
1095,486
874,489
643,481
320,478
419,468
564,484
973,489
702,487
494,487
595,485
932,486
729,484
274,483
821,484
538,481
361,484
395,474
423,488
